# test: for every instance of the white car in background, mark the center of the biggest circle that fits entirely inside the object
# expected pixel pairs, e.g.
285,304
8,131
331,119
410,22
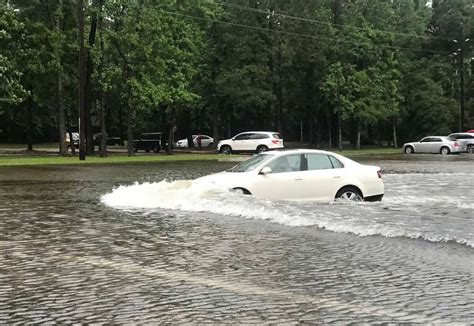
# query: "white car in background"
465,139
206,141
251,141
435,145
311,175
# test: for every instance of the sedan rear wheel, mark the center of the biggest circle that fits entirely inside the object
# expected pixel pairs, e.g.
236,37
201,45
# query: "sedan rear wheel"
470,149
445,150
350,193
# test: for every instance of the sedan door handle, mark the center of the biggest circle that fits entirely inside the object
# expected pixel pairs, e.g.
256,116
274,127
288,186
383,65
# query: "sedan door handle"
337,177
298,179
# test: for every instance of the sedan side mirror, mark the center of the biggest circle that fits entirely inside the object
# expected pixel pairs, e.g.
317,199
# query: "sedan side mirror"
265,170
233,139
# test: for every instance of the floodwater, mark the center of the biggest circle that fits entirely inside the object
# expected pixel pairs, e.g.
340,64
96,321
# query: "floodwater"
144,244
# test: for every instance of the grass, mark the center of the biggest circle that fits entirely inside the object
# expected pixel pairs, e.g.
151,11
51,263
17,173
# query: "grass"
112,159
51,158
368,151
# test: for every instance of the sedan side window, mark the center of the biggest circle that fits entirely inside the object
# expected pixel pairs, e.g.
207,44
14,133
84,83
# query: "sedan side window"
436,140
425,140
335,162
288,163
318,162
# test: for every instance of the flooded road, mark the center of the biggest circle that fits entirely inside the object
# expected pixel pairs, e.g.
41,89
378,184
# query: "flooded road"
144,244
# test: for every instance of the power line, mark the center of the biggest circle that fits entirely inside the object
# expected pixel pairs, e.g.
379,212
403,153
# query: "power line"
233,5
316,37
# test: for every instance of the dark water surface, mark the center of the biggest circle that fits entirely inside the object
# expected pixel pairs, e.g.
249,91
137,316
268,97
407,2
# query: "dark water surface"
139,244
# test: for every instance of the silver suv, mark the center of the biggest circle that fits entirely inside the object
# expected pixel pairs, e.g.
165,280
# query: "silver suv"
465,139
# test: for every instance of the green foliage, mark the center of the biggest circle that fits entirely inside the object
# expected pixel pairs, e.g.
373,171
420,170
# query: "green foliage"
11,33
240,65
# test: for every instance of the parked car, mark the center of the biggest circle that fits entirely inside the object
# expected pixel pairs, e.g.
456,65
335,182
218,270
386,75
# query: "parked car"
111,140
151,141
312,175
465,140
206,141
433,144
75,139
251,141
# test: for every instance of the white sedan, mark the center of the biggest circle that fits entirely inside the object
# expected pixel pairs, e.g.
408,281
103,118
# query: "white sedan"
311,175
435,145
206,141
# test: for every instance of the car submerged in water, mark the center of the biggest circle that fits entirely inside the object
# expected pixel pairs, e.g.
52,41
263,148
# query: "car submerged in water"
303,175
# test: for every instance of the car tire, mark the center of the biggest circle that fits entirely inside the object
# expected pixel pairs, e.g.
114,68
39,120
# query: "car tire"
409,150
350,193
445,150
226,149
156,149
470,149
262,148
211,145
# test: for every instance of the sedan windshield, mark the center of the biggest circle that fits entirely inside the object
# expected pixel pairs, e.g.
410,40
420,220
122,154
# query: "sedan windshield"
251,163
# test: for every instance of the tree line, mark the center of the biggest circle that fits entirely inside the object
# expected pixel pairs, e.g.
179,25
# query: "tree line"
322,72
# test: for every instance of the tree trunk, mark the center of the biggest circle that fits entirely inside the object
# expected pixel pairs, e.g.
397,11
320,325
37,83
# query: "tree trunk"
187,127
130,114
103,131
318,131
215,126
88,86
229,124
379,135
61,116
329,130
339,130
171,130
29,131
357,144
82,80
394,131
301,131
60,99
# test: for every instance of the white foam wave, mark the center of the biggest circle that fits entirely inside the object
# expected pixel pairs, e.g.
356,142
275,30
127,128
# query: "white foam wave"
366,220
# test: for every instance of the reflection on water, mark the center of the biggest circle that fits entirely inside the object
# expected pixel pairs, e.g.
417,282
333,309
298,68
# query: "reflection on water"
140,244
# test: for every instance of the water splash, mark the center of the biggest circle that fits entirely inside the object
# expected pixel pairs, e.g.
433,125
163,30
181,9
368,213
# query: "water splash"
399,215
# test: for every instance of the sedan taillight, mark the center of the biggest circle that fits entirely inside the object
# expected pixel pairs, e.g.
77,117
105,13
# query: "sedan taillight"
379,174
275,141
456,144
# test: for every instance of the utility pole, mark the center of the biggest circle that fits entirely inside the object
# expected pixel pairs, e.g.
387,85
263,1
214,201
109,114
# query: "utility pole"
460,52
461,87
82,81
337,8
